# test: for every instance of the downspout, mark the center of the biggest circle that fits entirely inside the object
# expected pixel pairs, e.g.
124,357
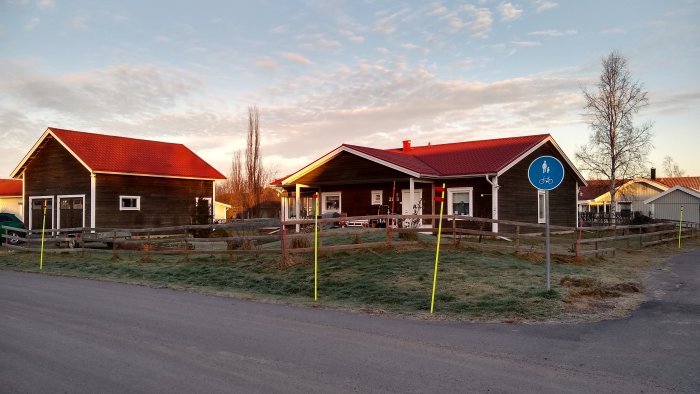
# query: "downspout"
93,199
25,214
494,200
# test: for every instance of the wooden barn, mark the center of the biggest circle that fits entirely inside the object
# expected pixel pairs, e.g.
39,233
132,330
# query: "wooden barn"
486,178
103,181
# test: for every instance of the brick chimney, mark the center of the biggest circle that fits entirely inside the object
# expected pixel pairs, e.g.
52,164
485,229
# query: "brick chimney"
406,145
653,173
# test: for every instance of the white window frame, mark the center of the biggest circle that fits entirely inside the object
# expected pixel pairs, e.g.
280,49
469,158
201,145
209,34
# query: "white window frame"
376,193
450,196
325,195
58,211
542,200
31,207
123,208
209,199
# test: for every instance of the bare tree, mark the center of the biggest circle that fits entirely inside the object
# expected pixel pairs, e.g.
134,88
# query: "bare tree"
232,190
253,164
671,168
245,187
616,149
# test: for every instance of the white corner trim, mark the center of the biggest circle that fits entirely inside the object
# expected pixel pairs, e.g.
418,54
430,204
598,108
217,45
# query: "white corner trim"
93,199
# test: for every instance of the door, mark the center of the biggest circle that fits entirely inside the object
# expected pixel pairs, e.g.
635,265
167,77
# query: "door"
37,213
415,209
71,212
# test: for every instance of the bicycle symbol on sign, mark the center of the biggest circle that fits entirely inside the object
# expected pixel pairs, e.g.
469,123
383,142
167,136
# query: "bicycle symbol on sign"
546,180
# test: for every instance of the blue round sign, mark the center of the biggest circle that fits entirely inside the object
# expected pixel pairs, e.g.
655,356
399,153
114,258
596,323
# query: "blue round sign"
545,173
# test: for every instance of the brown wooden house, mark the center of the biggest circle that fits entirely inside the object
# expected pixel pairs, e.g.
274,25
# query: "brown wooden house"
485,178
102,181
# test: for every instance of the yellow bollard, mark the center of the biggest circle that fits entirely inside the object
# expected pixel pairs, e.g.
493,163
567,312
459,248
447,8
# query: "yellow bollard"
680,228
440,199
315,247
43,233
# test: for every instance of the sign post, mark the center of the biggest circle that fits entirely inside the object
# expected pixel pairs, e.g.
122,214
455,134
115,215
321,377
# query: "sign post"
546,173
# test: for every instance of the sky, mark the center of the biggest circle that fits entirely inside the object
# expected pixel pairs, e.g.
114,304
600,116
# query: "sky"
328,72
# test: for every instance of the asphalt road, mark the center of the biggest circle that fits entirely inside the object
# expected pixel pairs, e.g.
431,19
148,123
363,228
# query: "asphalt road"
70,335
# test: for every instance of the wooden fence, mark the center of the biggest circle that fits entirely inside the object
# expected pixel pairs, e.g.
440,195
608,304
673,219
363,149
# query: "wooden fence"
275,237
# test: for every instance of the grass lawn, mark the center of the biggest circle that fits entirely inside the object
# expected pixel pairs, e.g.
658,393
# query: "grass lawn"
472,284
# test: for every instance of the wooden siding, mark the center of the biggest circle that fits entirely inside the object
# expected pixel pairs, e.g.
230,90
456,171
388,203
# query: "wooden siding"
669,207
54,171
517,198
636,193
347,168
164,201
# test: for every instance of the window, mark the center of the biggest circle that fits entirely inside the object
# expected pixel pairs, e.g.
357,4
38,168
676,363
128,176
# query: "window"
209,204
38,203
541,206
459,201
129,203
376,197
331,202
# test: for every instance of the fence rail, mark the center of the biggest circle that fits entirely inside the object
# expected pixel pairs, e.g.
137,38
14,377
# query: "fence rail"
275,237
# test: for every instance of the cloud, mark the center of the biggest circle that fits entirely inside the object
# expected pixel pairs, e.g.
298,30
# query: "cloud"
481,21
438,10
525,44
45,4
384,104
78,22
553,33
543,5
614,30
509,11
266,62
98,94
351,36
32,24
388,24
295,58
316,42
162,39
385,25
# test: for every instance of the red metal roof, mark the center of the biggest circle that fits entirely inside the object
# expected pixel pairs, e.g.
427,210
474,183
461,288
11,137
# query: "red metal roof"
691,182
460,158
598,187
107,153
10,187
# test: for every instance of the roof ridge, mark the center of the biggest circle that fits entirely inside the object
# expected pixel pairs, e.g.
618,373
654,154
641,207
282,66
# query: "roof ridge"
115,136
399,152
543,135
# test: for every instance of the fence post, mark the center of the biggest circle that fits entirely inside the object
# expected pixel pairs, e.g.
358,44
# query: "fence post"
517,238
186,258
148,245
284,242
454,229
114,244
481,229
389,230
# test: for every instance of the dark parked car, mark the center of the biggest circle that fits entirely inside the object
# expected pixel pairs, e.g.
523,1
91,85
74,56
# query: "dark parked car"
10,220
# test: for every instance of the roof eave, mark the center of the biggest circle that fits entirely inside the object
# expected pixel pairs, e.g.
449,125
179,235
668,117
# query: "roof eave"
332,154
537,146
20,167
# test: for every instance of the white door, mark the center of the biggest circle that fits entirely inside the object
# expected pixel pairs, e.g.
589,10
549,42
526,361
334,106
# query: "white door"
415,209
